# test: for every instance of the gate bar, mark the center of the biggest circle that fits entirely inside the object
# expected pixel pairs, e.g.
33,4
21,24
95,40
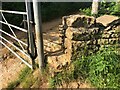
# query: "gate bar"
30,66
13,12
39,34
15,47
24,30
13,37
12,31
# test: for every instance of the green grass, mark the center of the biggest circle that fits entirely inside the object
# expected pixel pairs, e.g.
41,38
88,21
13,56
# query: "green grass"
101,70
28,78
24,73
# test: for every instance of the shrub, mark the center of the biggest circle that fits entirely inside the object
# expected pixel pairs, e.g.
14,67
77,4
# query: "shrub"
101,69
86,11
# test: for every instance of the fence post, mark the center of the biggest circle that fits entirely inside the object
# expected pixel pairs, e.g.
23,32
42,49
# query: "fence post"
39,35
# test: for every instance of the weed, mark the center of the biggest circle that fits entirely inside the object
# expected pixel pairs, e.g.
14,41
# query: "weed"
101,69
51,82
24,73
28,81
13,84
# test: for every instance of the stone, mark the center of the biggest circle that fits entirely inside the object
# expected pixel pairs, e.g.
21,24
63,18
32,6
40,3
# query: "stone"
114,36
79,20
91,42
85,35
106,19
117,29
81,34
106,36
94,30
108,28
5,56
113,41
103,41
75,33
73,44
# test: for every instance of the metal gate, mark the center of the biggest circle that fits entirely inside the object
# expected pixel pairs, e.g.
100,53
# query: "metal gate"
28,49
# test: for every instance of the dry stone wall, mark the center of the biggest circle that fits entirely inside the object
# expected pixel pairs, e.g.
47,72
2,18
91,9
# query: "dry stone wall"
84,35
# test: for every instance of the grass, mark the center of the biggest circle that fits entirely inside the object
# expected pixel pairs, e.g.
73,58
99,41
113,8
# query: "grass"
101,70
24,73
27,78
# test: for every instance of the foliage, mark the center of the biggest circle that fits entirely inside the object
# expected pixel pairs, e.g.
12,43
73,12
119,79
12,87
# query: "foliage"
110,8
86,11
28,78
52,83
65,76
101,70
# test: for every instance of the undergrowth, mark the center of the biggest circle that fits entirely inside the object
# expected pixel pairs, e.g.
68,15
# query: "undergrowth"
102,70
110,8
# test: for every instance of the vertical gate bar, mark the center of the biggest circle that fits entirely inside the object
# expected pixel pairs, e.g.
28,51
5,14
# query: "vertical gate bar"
39,34
30,32
24,21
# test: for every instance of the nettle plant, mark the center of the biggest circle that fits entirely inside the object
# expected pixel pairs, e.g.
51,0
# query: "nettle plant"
105,69
101,69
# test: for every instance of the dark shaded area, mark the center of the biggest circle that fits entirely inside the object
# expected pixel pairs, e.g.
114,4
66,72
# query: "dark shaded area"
49,10
13,6
52,10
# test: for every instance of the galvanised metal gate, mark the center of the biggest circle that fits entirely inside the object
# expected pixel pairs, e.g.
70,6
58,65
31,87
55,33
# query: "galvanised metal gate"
30,51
